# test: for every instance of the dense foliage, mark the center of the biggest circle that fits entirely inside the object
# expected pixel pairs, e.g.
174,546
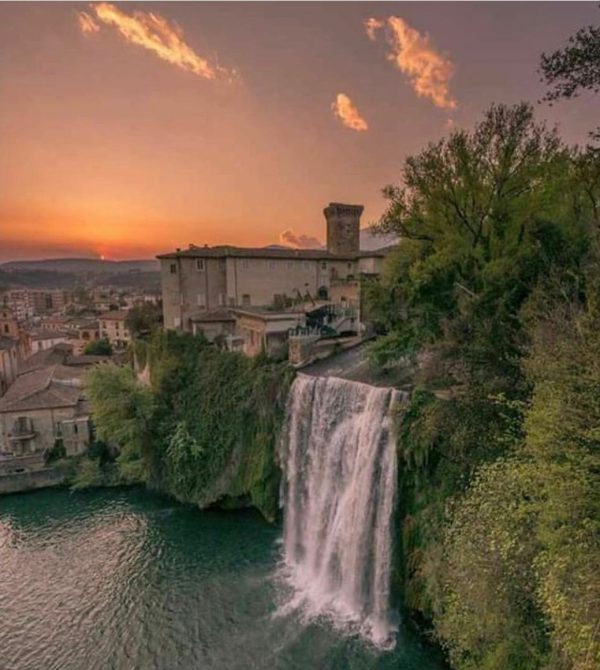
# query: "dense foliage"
101,347
494,290
576,67
143,319
205,430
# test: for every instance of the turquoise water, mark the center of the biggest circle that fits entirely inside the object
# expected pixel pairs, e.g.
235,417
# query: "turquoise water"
124,579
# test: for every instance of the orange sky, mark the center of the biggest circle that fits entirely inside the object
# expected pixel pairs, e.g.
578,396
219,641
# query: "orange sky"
132,129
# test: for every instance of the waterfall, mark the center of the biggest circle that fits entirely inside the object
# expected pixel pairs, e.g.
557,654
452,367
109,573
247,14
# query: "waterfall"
339,463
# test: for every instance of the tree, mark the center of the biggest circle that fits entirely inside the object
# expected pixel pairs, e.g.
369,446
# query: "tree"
122,411
480,214
485,218
574,68
100,347
143,319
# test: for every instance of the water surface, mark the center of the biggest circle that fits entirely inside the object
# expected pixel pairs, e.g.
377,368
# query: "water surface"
124,580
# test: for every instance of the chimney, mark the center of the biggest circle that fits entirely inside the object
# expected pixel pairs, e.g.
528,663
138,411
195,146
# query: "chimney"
343,228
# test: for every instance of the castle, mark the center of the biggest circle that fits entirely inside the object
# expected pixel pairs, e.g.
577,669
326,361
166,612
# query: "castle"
198,280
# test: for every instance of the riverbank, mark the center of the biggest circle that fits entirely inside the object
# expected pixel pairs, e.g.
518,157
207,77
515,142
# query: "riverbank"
20,482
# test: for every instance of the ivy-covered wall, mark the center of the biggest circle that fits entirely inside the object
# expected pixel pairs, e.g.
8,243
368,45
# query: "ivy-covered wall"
205,431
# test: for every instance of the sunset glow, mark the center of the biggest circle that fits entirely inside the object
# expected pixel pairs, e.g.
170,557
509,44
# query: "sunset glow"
131,129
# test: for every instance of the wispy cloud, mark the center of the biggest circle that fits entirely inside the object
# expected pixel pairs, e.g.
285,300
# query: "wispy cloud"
155,33
291,239
346,111
428,70
87,23
372,26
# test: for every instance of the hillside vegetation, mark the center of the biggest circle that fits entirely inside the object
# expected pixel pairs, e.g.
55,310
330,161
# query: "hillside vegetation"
495,289
204,431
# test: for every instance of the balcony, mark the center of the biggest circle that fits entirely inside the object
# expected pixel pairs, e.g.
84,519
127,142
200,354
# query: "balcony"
22,430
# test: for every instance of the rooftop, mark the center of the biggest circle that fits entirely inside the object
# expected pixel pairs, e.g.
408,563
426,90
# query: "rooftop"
225,251
46,334
44,388
114,315
267,315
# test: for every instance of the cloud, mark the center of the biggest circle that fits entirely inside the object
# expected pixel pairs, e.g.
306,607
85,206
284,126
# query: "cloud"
371,26
153,32
345,110
428,70
289,238
87,23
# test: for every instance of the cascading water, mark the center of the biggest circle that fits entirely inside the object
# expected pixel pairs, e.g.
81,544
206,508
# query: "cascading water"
338,492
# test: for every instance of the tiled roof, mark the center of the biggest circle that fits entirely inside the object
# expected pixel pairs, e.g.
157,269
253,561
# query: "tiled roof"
45,388
52,356
47,334
266,252
115,315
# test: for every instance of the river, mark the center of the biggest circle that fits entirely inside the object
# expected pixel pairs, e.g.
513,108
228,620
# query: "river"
124,579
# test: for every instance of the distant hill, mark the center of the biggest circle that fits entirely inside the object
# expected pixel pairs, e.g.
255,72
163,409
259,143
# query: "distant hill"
82,265
68,273
34,279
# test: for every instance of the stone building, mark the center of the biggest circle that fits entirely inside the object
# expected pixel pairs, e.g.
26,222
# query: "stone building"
9,324
265,331
19,303
41,339
44,406
9,362
199,279
46,301
113,327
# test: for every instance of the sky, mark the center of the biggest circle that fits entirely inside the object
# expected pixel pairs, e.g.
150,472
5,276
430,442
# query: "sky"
130,129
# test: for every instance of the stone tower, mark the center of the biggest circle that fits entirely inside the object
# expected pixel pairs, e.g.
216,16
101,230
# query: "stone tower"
343,228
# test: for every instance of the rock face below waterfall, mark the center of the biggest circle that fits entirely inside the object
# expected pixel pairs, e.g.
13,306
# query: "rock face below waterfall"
339,465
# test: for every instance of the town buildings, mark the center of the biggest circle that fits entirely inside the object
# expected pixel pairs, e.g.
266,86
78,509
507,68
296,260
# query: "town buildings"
113,327
200,279
40,338
48,301
43,408
18,301
9,362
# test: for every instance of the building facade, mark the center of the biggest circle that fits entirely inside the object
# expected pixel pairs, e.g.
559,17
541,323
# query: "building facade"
113,327
9,362
43,407
209,278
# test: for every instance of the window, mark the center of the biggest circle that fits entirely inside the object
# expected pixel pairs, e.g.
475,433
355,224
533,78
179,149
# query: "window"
323,265
245,264
246,300
6,327
176,322
200,264
201,298
349,266
173,268
221,299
